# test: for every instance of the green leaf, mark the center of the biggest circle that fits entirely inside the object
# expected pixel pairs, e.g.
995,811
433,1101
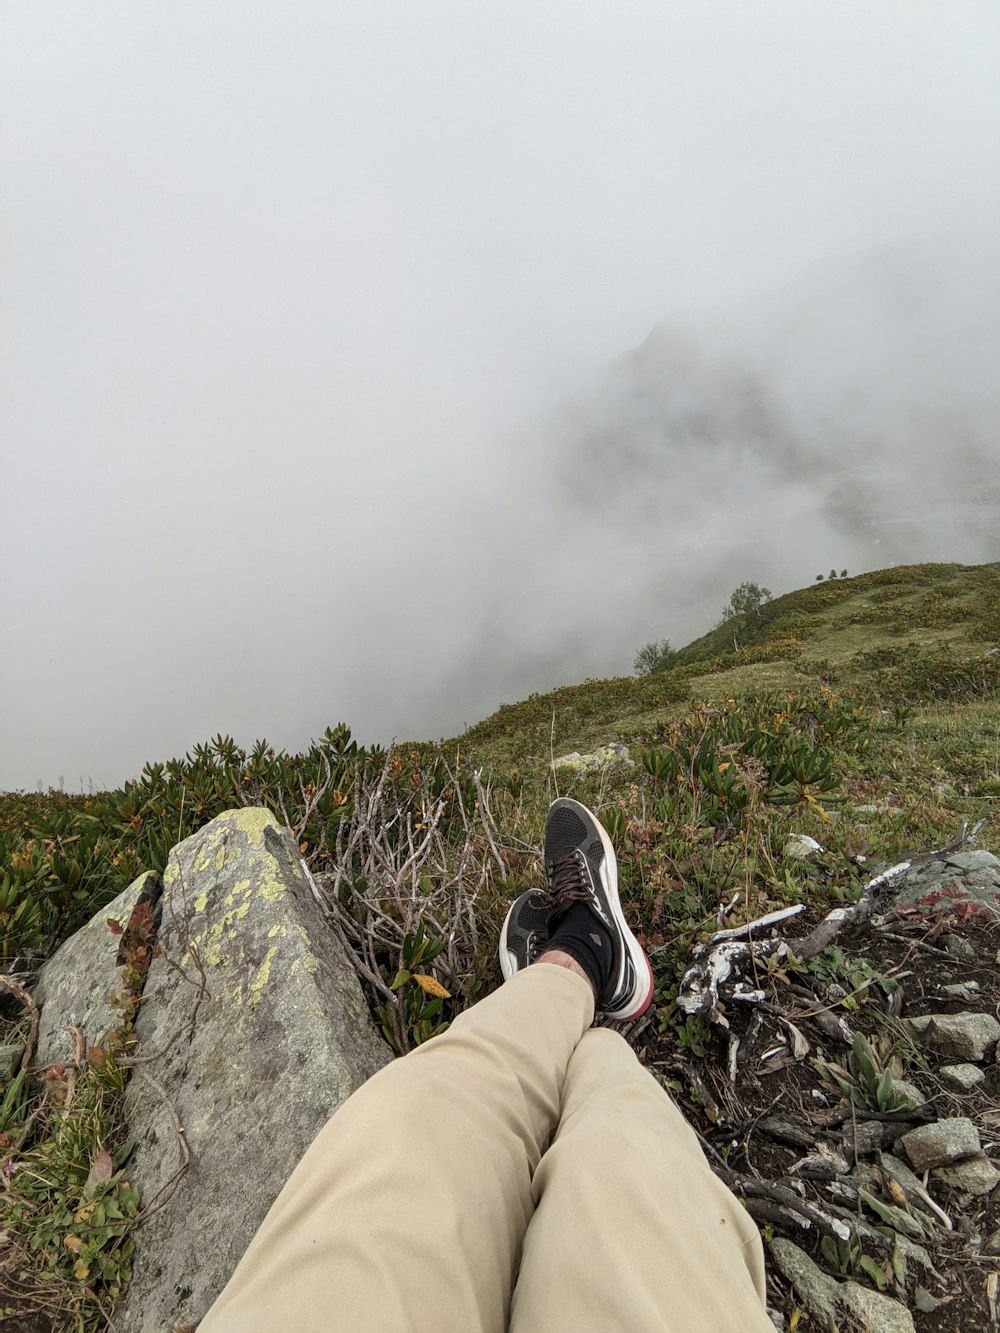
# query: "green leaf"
874,1271
893,1217
886,1098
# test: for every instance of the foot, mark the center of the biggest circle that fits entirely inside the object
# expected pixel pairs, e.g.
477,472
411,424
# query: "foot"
580,867
524,937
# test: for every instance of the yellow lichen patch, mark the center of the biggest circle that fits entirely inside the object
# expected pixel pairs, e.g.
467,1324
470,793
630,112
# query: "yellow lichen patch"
239,890
309,960
201,902
272,889
252,821
277,930
261,979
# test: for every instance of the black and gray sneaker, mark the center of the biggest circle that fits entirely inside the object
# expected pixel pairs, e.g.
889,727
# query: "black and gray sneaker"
580,866
524,936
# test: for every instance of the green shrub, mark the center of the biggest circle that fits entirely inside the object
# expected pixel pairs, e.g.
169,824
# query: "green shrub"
653,658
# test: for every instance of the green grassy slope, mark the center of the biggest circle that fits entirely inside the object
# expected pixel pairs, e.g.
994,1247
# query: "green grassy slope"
907,632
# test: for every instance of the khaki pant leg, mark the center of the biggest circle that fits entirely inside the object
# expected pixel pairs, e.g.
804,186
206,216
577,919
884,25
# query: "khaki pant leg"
409,1209
631,1229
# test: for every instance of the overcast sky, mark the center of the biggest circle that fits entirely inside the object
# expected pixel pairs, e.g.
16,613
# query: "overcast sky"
308,310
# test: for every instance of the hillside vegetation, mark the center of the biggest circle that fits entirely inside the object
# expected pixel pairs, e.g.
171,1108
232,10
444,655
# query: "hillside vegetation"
864,713
880,690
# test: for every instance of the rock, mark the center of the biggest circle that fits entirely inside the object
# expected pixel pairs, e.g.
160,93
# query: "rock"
253,1062
974,861
902,1087
76,985
961,1078
903,1176
925,1302
814,1288
975,1175
992,1245
938,885
831,1303
613,755
10,1062
962,990
959,948
910,1252
941,1143
967,1036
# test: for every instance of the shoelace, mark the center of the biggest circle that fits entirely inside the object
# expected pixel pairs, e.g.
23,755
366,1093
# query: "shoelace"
537,944
568,882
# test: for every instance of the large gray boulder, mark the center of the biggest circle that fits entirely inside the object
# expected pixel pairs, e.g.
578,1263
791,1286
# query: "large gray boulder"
255,1031
76,986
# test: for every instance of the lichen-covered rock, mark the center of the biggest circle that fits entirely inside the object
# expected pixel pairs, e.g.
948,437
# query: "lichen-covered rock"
941,1143
613,755
974,1175
77,984
970,1036
258,1031
834,1305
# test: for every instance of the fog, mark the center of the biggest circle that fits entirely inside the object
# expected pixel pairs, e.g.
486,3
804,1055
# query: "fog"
316,396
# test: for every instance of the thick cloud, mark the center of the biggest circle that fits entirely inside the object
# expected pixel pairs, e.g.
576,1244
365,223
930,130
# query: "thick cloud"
307,320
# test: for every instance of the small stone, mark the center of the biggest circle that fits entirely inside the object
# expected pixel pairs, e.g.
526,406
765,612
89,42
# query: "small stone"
961,1078
10,1059
976,1175
942,1143
992,1245
967,1036
925,1302
902,1087
962,990
959,948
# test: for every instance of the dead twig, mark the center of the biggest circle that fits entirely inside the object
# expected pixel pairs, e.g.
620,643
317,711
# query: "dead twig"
17,990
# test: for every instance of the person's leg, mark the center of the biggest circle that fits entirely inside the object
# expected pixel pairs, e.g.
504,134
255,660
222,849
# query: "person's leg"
631,1229
410,1207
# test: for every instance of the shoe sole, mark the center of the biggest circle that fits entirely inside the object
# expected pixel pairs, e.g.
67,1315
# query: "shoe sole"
507,966
640,963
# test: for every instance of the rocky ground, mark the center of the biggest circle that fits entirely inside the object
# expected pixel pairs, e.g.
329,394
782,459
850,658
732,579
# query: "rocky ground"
850,1093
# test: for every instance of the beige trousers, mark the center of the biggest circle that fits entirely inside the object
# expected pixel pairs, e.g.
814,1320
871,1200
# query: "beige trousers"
519,1171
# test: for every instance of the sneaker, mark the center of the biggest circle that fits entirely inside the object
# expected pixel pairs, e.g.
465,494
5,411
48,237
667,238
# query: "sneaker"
580,866
524,936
